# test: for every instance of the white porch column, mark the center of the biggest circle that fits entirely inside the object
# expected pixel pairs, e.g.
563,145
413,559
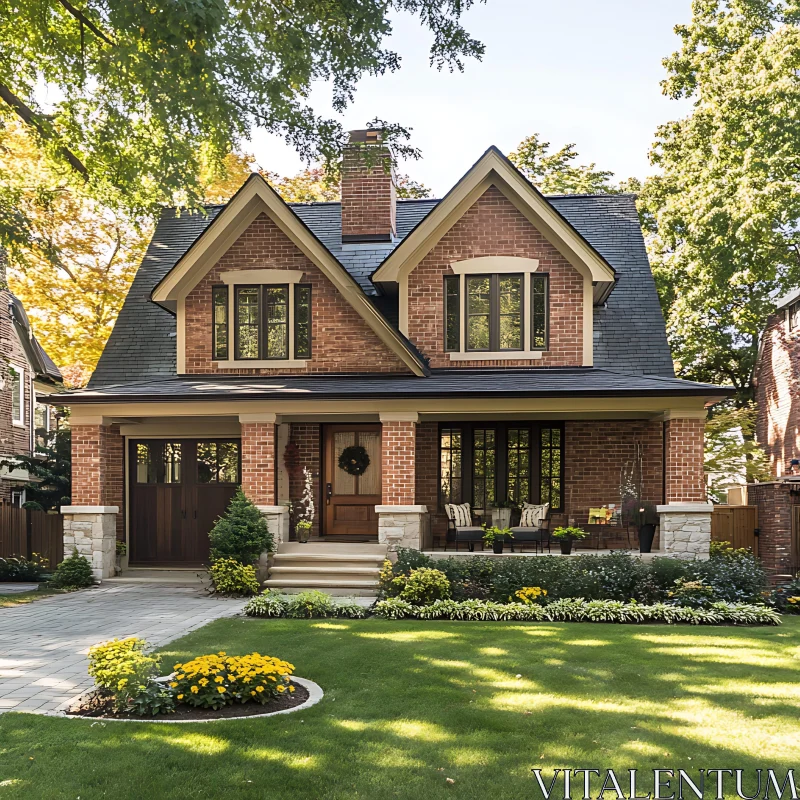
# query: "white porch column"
277,521
402,526
686,529
92,531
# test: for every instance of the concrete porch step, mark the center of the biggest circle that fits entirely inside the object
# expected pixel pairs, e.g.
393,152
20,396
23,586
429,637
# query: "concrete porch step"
321,573
334,548
320,583
346,558
163,576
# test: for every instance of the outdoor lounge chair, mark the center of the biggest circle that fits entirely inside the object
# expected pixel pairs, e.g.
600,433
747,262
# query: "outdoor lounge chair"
532,534
460,527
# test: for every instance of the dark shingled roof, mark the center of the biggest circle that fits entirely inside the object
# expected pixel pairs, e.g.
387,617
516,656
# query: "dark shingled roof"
525,382
629,332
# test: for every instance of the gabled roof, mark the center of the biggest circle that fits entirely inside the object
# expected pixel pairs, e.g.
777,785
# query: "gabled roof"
42,365
494,169
256,197
629,330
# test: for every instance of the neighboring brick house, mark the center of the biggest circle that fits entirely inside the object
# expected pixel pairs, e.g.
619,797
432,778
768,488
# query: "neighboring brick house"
777,381
27,375
494,345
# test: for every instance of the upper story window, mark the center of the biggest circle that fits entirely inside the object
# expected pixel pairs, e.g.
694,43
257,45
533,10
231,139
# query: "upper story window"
17,375
498,313
41,424
793,316
261,322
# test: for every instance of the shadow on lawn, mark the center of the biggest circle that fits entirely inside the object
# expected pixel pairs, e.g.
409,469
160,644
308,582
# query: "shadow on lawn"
409,704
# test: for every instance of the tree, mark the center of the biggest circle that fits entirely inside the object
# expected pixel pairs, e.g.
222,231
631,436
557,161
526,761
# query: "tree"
50,465
555,173
143,94
240,533
723,213
75,267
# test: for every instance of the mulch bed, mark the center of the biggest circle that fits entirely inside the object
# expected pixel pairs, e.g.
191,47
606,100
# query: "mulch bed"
101,706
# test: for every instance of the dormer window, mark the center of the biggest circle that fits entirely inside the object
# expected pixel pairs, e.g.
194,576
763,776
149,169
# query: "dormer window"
262,324
501,315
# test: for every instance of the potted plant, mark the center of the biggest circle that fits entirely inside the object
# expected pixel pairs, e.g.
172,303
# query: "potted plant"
501,516
643,516
566,536
305,521
496,537
122,550
303,529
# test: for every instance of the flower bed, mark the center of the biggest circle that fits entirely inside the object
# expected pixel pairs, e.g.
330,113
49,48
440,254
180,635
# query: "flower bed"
579,610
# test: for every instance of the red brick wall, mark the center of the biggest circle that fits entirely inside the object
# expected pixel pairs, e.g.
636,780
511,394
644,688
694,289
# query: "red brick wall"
777,378
398,459
685,479
775,502
341,340
494,227
258,462
98,469
427,475
368,194
307,437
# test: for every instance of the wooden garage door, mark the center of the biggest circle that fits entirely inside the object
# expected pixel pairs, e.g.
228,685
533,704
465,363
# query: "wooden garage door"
178,488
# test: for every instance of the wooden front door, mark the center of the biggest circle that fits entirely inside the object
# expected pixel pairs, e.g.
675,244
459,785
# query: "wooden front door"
350,500
178,488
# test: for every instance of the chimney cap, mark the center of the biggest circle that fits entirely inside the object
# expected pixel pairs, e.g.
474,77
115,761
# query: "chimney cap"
367,136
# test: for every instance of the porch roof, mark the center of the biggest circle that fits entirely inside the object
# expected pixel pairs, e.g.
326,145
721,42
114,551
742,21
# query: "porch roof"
537,382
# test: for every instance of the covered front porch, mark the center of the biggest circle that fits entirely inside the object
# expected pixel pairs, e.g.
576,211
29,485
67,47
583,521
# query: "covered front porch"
156,474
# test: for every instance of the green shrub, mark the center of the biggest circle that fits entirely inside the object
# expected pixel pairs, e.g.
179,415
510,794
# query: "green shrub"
786,597
310,604
74,572
350,609
122,669
266,604
422,586
229,576
241,533
19,568
736,576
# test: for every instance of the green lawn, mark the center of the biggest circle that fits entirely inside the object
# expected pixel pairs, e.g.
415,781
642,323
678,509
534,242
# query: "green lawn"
410,704
20,598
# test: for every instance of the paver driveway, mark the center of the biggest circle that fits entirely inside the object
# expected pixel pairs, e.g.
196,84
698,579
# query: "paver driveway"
43,645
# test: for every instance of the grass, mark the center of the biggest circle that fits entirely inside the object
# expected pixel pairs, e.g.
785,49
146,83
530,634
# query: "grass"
9,600
410,704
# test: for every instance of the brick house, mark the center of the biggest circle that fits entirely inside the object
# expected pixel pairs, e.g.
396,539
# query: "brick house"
28,376
495,345
777,380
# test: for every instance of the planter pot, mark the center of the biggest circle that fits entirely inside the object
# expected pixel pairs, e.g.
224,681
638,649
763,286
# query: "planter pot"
646,534
497,546
302,535
566,546
501,517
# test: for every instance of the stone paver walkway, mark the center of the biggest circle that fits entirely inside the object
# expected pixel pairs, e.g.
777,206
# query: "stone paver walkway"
43,645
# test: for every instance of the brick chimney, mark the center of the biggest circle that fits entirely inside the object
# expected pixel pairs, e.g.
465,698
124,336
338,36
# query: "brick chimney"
368,190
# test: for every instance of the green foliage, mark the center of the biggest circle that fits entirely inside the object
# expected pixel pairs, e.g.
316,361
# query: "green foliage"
493,532
266,604
142,98
569,532
152,700
51,465
579,610
306,605
241,533
229,576
122,669
786,597
421,586
723,210
19,568
692,594
350,609
74,572
555,173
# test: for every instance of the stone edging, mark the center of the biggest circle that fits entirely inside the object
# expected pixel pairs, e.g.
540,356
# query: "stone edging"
315,694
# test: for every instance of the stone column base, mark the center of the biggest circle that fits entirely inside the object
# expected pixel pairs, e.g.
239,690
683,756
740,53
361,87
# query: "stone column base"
403,526
278,523
92,531
686,529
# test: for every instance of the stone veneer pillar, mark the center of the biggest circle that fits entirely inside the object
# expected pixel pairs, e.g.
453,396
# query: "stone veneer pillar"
401,523
92,531
685,527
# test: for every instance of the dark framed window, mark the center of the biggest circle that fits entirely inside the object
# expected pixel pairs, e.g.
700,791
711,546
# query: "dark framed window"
218,462
540,303
521,462
276,317
302,321
494,312
450,447
794,316
158,462
452,313
219,343
248,322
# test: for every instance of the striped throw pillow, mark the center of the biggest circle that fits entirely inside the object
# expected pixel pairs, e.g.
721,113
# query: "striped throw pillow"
460,514
532,515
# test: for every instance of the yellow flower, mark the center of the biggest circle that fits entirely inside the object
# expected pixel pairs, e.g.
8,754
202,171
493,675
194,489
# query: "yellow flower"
180,697
194,690
173,684
281,688
219,679
221,689
253,694
259,689
291,688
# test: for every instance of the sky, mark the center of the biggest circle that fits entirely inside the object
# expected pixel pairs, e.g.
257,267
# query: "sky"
583,71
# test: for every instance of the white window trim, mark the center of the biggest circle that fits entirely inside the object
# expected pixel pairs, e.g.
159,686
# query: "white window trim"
490,265
18,422
279,277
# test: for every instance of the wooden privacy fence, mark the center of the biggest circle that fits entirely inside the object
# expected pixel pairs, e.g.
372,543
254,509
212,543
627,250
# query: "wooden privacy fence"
737,525
24,531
